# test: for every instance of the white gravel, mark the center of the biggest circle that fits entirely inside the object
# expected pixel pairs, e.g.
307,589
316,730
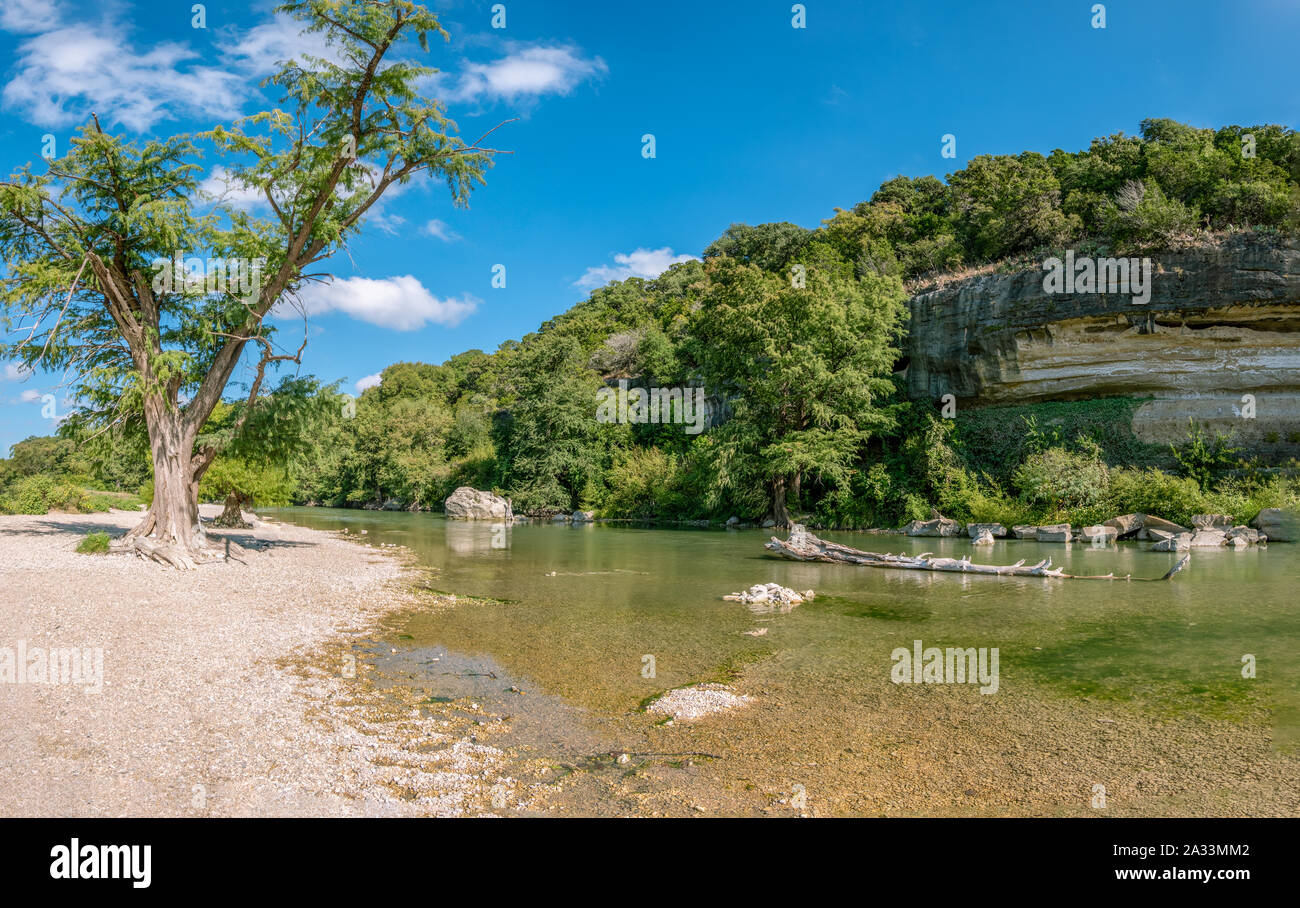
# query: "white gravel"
224,689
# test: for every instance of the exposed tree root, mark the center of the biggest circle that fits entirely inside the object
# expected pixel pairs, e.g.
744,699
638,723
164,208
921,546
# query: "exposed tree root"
804,546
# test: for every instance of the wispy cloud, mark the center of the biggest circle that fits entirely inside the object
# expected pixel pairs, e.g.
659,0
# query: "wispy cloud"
69,68
400,303
16,372
646,263
527,71
369,381
439,229
26,16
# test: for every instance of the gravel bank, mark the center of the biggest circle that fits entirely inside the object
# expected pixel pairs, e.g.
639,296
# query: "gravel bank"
225,690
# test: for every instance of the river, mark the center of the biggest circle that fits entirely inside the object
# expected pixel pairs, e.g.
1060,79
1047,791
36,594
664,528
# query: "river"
570,630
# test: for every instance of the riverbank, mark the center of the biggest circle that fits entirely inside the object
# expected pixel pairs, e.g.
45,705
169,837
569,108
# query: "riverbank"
225,691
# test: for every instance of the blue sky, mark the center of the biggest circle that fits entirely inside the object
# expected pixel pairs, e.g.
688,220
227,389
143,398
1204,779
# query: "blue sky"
754,121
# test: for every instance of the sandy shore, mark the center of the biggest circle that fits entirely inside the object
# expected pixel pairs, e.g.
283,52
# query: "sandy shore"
225,690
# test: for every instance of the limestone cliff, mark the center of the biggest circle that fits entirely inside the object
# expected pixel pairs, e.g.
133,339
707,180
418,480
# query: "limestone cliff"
1223,321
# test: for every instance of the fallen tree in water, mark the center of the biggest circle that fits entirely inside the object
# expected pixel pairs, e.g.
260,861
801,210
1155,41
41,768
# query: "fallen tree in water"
804,546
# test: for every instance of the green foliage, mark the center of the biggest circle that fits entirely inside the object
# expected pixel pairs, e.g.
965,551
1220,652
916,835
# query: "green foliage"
41,494
1202,458
1153,491
86,244
94,544
644,483
1005,205
996,440
794,333
1059,480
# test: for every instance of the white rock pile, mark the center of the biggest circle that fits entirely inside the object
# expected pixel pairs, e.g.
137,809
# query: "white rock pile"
772,594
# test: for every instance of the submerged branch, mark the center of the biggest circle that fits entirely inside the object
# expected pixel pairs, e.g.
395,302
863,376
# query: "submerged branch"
804,546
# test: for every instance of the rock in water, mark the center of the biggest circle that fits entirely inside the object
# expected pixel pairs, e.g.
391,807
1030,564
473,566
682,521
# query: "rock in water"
1126,524
1101,534
1057,532
470,504
1278,525
699,700
985,537
1177,543
1207,539
1150,523
1246,535
770,597
1211,522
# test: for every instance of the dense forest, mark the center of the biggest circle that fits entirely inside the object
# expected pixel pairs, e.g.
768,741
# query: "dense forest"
794,336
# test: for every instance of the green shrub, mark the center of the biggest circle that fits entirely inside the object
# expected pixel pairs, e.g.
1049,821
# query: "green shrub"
41,494
1058,480
1203,458
94,544
1155,492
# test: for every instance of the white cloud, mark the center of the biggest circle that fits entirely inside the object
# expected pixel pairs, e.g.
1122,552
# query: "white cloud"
62,75
369,381
439,230
646,263
262,48
30,396
221,186
64,72
401,303
16,372
526,71
27,16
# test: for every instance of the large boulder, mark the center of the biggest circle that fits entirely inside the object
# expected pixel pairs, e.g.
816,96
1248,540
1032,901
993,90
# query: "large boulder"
1024,531
583,516
1246,534
1278,525
1212,521
1149,523
1099,535
985,537
1207,539
470,504
939,526
1057,532
1125,524
993,529
1180,543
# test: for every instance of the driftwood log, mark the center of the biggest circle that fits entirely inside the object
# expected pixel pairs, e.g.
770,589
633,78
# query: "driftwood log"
804,546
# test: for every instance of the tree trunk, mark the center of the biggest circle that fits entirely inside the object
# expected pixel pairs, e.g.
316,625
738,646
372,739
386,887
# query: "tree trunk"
170,532
233,515
779,511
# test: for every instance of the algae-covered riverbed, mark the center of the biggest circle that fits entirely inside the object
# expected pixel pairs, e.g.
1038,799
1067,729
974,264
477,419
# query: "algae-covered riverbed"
562,634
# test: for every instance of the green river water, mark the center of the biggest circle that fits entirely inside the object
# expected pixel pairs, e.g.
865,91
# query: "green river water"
569,614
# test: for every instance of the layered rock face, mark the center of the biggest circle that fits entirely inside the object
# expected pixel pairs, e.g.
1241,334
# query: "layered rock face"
1222,321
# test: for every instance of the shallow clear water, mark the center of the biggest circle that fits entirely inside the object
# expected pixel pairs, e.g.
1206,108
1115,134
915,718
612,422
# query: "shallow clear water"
580,637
